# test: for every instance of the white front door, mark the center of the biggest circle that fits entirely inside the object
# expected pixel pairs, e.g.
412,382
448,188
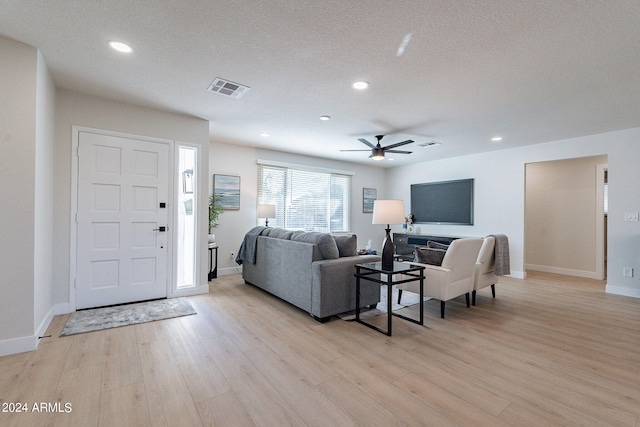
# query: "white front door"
122,219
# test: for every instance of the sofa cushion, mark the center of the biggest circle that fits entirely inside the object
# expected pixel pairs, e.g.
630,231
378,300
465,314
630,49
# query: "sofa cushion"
429,256
437,245
325,242
347,245
280,233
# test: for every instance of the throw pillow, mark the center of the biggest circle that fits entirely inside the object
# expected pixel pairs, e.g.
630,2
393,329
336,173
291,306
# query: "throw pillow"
437,245
347,245
429,256
266,231
325,242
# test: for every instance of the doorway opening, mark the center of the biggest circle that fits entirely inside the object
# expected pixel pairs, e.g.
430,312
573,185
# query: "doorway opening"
565,220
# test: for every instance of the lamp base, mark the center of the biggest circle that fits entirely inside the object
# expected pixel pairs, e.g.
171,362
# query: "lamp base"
387,252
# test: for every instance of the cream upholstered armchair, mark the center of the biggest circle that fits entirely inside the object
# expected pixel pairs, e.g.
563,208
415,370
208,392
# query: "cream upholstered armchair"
454,277
485,274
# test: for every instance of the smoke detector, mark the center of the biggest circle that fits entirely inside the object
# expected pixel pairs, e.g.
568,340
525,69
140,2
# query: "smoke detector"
227,88
429,144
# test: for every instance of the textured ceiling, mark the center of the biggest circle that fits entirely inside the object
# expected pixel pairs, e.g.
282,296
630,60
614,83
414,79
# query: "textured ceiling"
530,71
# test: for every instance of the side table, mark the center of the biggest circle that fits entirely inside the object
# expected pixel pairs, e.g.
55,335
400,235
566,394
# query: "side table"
368,270
213,270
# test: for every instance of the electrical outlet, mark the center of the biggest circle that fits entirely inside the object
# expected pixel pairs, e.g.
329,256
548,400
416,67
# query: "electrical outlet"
232,254
627,271
631,216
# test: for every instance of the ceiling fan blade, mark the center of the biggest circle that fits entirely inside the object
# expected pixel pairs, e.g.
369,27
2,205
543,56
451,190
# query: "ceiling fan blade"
398,151
367,143
408,141
355,150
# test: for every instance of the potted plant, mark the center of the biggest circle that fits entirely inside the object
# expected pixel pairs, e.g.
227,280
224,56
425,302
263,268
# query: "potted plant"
215,209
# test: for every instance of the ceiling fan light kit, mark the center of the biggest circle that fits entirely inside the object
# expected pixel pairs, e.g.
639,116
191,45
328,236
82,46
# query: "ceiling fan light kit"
378,151
377,154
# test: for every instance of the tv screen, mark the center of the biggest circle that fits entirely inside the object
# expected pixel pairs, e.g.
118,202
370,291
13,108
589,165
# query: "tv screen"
446,202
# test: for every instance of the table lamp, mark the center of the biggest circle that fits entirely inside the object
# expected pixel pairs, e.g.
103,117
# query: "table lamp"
388,212
266,211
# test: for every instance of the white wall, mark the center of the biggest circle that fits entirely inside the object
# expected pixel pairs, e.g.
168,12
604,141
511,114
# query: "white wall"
44,198
26,223
18,69
89,111
230,159
499,194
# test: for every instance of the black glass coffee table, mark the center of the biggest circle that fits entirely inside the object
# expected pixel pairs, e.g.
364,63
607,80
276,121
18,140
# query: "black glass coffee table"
370,272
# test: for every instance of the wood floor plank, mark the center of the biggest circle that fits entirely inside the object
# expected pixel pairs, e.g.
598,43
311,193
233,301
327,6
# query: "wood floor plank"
549,350
201,374
83,402
408,408
359,406
261,401
224,410
121,361
447,402
125,406
307,401
86,349
168,397
299,353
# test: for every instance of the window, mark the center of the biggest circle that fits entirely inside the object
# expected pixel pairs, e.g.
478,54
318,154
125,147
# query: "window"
187,207
309,200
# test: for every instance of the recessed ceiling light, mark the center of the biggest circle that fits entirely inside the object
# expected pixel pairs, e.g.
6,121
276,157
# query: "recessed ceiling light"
120,47
496,139
325,118
360,85
265,134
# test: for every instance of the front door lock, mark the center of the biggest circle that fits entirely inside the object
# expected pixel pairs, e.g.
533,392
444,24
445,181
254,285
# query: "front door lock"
160,229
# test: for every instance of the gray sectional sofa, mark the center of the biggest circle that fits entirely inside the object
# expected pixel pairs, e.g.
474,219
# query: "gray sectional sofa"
313,271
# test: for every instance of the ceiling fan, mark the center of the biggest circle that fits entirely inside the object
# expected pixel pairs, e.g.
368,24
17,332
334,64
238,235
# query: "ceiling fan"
377,151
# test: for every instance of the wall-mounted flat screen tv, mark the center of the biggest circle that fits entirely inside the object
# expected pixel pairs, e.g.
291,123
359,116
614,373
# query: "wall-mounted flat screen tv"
446,202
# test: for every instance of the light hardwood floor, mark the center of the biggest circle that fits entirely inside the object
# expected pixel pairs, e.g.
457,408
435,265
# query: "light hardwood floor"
549,350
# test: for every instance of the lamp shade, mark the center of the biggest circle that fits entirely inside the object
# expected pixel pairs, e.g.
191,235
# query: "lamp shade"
388,212
266,210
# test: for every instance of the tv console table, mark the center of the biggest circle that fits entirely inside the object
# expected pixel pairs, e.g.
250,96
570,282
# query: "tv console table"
404,243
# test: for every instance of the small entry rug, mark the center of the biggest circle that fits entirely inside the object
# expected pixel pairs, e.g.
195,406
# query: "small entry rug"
127,314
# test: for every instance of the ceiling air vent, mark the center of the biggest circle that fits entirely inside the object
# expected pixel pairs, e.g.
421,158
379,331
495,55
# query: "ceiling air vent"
227,88
428,144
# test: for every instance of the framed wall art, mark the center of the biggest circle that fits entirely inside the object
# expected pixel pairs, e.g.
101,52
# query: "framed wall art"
228,188
368,196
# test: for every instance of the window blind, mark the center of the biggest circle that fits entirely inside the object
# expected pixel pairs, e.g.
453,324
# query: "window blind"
308,200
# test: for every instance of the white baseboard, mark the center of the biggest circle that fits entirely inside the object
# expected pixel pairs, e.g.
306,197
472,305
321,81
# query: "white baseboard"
565,271
18,345
28,343
42,328
229,270
622,290
518,274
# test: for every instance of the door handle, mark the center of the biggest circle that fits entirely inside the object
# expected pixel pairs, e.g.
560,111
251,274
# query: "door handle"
160,229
